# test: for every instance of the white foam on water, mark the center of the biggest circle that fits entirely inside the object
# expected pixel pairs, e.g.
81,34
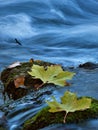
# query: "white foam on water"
16,26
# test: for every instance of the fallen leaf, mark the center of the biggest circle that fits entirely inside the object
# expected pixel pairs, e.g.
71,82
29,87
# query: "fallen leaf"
19,81
14,65
52,74
69,103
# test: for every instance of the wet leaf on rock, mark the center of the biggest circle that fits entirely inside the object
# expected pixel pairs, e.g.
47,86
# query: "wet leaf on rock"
69,103
52,74
19,81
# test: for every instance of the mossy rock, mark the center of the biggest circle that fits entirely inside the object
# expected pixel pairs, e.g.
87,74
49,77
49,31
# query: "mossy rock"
44,118
9,74
1,128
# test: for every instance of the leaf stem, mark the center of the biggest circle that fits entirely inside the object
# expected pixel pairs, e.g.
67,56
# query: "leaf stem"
65,117
40,85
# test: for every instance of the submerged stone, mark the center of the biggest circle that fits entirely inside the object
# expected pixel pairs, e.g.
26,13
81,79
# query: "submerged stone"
88,65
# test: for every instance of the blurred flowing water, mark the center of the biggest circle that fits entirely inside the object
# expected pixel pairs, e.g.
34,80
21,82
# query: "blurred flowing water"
63,32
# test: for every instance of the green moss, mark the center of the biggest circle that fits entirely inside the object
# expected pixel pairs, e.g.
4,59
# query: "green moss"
44,117
9,74
1,128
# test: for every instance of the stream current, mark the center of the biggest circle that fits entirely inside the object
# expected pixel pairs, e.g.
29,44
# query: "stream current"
63,32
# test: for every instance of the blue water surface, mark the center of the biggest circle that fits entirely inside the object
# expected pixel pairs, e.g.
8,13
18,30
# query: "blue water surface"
59,31
64,31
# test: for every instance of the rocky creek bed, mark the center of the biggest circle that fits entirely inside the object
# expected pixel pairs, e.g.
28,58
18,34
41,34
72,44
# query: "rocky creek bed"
84,84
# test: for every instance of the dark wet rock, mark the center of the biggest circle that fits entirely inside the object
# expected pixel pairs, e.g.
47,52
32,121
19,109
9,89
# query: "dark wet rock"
88,65
1,128
33,97
9,75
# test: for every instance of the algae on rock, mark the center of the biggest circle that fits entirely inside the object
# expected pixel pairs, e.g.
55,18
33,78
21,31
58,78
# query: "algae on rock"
44,118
